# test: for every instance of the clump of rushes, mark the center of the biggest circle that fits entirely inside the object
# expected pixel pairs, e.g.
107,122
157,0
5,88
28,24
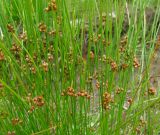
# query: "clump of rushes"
107,99
78,64
51,6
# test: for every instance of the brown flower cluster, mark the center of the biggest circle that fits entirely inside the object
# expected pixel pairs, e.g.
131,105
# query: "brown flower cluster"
114,66
84,93
52,32
16,121
42,27
104,16
10,28
91,55
136,63
51,6
11,133
28,60
2,58
23,36
50,57
71,92
141,125
107,99
45,66
31,109
119,90
97,84
152,91
16,49
1,86
39,101
123,66
123,43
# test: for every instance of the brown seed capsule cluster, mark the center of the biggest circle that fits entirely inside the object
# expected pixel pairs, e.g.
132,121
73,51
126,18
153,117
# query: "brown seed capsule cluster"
107,99
51,6
45,66
104,16
136,63
31,109
141,125
123,66
91,55
142,122
157,43
1,86
59,19
71,92
2,58
30,64
16,121
84,93
97,84
33,70
50,57
16,49
89,80
11,133
29,98
39,101
114,66
130,101
42,27
123,43
52,32
152,91
119,90
70,55
23,36
10,28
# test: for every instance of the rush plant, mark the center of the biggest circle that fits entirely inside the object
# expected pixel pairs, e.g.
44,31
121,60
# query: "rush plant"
86,67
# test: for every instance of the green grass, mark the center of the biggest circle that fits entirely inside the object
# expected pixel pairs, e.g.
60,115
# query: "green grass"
49,86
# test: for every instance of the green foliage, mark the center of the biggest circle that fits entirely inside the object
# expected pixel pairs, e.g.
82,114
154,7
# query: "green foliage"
78,67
